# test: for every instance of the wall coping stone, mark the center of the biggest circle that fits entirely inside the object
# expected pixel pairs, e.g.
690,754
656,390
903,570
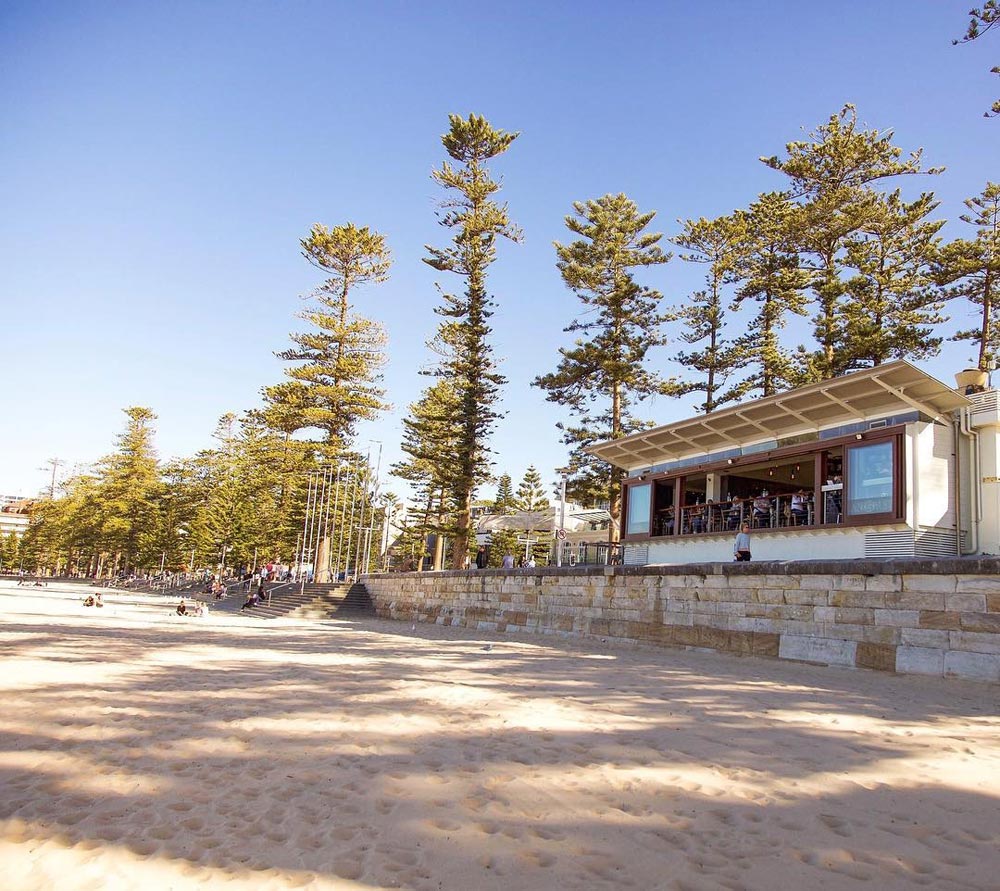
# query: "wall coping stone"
868,567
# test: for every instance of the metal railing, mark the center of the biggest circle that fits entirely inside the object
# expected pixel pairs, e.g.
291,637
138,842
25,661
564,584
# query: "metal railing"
765,512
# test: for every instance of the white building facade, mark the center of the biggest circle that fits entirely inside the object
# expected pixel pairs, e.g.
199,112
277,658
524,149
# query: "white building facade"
885,462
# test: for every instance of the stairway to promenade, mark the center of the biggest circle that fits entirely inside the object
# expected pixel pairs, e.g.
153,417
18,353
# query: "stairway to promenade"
314,601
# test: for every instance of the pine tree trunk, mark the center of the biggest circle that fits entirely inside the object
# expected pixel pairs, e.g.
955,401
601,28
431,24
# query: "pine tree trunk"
987,313
463,524
439,552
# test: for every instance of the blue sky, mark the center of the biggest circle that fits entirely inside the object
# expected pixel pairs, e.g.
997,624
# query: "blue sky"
160,162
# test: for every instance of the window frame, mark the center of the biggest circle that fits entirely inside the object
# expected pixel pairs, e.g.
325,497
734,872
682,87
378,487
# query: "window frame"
814,450
895,511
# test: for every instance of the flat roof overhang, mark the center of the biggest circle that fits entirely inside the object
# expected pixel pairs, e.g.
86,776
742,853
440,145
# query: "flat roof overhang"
863,395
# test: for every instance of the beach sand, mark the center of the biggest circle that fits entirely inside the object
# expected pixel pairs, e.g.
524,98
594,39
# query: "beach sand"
139,749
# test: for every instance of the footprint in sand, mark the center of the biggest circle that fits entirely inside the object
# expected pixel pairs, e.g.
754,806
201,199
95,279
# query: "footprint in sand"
836,825
108,833
537,859
487,861
347,869
547,834
344,833
163,832
143,848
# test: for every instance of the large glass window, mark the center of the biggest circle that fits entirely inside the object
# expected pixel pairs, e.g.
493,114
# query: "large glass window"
638,510
870,475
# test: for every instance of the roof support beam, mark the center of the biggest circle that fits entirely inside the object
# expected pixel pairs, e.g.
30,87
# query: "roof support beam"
838,401
753,423
784,407
909,400
683,439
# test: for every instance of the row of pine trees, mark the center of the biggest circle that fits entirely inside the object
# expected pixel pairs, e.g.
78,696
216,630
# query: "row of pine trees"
836,243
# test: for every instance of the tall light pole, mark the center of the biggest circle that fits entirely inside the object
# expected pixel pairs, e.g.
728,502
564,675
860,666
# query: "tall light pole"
184,534
561,532
55,464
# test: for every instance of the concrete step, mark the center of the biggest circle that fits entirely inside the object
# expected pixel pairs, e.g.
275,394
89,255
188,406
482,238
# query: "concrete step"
318,601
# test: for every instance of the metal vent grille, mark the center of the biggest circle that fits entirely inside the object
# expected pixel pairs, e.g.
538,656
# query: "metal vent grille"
935,543
889,544
925,543
986,401
636,555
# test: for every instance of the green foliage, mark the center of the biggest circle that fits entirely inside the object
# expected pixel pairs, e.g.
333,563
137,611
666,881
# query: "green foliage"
11,552
605,372
982,20
108,521
249,492
431,433
467,361
135,515
530,493
505,503
972,268
351,255
128,492
335,383
503,541
715,243
831,175
767,272
894,306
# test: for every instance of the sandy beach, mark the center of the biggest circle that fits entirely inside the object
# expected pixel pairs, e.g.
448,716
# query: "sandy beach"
145,750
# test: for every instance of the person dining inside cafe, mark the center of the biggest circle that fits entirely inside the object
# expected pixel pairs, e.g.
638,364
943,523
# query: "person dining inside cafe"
713,514
762,509
696,518
734,516
800,507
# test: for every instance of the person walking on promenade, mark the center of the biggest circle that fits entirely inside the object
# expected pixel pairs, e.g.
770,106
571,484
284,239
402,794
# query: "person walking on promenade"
481,558
741,547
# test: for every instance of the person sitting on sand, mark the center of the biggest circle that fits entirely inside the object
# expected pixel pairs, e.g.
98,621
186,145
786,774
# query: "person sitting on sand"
97,600
89,601
182,609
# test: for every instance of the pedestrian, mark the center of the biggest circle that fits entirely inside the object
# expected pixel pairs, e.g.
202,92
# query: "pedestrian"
741,547
508,561
481,558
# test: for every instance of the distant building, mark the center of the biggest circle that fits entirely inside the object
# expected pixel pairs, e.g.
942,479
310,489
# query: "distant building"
582,525
14,515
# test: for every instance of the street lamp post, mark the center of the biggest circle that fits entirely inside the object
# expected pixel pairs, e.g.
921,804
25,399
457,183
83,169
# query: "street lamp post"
561,534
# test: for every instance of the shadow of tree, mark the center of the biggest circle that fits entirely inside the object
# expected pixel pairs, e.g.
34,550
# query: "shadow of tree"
368,753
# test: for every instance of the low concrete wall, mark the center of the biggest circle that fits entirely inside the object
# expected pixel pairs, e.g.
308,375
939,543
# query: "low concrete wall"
934,617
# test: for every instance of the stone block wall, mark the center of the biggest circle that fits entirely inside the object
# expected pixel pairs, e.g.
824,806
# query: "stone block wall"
935,617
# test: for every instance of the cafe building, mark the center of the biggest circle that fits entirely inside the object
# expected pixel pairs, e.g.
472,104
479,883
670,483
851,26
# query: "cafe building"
884,462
